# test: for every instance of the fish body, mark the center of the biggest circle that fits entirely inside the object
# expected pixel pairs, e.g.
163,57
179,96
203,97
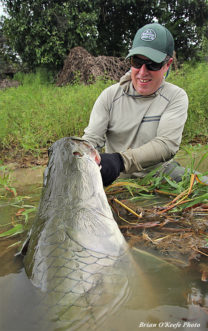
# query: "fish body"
76,254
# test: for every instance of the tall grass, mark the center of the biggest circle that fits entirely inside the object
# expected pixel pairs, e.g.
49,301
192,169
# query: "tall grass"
193,79
37,113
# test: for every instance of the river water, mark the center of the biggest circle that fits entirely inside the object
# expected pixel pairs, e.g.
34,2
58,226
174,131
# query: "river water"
181,295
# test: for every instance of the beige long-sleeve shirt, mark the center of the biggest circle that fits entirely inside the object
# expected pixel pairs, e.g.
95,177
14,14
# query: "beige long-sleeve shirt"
146,130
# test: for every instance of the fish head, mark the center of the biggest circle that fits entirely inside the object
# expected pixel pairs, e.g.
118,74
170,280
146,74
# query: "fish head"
72,177
71,154
74,197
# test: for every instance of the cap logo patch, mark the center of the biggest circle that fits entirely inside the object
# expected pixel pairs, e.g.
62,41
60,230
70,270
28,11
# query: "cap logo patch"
148,35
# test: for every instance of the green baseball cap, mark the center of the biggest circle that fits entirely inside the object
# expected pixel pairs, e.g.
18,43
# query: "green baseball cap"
153,41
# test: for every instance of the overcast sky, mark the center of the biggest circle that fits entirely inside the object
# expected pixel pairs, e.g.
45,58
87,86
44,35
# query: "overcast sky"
1,9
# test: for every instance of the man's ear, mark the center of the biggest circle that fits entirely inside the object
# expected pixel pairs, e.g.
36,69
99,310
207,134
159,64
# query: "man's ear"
169,62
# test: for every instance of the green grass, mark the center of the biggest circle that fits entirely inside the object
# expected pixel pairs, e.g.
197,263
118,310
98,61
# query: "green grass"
36,114
193,79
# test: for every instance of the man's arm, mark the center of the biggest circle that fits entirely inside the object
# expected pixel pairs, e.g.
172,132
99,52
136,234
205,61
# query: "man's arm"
99,119
167,141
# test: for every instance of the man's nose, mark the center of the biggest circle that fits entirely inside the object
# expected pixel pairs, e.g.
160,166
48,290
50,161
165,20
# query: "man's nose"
143,70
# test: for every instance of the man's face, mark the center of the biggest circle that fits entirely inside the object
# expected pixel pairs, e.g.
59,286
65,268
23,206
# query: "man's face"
145,81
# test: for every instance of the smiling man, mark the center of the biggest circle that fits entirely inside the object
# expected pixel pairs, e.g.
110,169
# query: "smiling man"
146,75
140,120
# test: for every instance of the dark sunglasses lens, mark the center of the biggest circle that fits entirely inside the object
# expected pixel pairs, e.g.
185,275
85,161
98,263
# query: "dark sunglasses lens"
136,62
152,66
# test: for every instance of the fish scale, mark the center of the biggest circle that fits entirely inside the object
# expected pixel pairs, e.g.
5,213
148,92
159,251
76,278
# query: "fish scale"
74,292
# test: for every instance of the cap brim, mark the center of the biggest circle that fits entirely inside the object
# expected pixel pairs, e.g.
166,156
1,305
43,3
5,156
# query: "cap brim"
151,53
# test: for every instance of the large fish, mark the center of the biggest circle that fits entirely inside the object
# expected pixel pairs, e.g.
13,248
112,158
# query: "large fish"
76,254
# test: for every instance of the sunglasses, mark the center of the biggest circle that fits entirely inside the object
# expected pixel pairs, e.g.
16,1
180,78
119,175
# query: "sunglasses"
137,63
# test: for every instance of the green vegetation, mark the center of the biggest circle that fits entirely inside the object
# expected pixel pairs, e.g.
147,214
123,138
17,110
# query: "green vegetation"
193,78
189,192
171,216
43,32
36,113
9,197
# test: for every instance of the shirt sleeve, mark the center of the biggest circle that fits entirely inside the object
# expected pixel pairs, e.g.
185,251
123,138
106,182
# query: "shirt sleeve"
99,119
168,138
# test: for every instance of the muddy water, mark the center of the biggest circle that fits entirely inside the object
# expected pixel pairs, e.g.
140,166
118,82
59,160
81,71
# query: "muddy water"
27,176
182,297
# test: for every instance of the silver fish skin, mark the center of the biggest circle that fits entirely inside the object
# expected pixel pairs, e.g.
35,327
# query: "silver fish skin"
76,254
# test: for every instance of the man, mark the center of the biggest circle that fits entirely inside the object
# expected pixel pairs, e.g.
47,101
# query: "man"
140,120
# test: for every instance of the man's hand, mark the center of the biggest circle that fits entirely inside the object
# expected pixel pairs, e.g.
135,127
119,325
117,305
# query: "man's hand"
111,166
